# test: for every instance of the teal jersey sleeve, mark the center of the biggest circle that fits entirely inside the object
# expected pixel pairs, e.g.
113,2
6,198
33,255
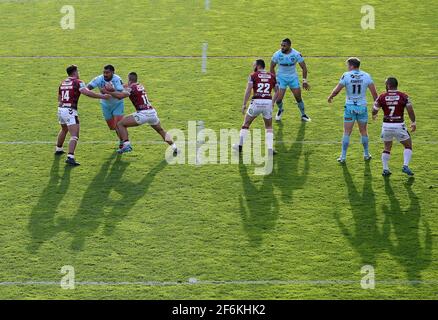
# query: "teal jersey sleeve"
299,57
342,80
117,83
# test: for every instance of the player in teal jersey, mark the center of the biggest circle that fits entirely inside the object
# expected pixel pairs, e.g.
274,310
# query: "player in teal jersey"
287,58
112,109
356,83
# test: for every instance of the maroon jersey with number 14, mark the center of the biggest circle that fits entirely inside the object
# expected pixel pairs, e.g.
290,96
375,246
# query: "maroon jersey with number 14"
139,97
393,104
262,84
69,93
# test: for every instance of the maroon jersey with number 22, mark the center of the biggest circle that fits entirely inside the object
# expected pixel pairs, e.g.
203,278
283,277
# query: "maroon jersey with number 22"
262,84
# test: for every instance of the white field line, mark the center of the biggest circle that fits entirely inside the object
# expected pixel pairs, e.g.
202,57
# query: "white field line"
153,142
217,282
210,57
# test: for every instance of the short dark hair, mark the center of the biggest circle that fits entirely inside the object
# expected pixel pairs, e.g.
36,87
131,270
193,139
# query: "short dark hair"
109,67
260,63
287,40
71,69
354,62
133,77
392,82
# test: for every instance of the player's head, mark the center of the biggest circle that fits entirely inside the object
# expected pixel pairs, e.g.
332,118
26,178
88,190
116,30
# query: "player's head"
72,71
285,45
259,64
132,77
353,63
108,72
391,83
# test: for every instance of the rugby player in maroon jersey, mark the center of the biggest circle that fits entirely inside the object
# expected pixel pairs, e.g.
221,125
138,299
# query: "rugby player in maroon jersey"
145,113
394,103
68,96
261,83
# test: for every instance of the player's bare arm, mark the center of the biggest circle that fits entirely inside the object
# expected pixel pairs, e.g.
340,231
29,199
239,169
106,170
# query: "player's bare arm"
411,113
246,97
335,92
117,94
373,91
376,109
272,67
276,94
91,94
303,66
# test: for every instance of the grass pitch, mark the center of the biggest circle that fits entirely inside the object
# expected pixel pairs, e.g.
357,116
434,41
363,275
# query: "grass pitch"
305,231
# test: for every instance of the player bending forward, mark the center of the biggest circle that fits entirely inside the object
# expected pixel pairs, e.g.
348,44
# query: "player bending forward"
68,96
393,103
145,113
261,83
356,83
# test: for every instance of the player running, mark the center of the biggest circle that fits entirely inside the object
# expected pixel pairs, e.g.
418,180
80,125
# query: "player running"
261,83
68,96
145,113
112,109
287,76
356,83
393,103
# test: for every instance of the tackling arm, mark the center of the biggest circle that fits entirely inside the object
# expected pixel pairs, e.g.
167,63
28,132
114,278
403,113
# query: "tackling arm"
91,94
335,92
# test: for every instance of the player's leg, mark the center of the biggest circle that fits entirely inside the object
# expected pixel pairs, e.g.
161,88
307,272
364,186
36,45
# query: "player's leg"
244,131
281,92
407,155
166,137
73,129
386,156
117,113
61,138
349,120
269,137
363,129
122,130
296,91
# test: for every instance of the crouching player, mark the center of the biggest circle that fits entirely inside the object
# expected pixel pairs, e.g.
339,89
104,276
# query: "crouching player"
68,96
261,83
145,113
393,103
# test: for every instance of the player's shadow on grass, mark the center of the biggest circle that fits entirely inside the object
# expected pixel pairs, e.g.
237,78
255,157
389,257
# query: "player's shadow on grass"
258,206
288,179
42,225
91,213
407,248
366,238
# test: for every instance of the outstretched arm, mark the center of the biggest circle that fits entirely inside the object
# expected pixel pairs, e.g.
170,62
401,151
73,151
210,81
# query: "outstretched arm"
91,94
335,92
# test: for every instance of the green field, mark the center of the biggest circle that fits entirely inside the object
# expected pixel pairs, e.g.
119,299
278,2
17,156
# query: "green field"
127,221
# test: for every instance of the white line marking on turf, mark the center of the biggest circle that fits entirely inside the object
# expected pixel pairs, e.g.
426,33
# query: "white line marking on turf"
204,57
152,142
207,4
216,282
210,57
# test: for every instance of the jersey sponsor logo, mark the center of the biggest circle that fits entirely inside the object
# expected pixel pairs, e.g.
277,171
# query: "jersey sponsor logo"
392,98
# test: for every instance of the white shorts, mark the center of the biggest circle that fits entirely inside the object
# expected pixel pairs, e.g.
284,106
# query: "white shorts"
260,106
149,116
397,131
68,116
